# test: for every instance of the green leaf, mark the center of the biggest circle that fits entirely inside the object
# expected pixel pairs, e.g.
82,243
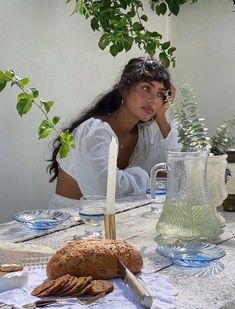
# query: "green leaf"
2,85
161,8
166,45
171,50
44,132
150,48
64,150
144,17
94,24
174,7
120,47
127,44
156,34
45,128
23,105
3,81
70,139
104,41
164,59
137,26
3,76
114,50
35,92
47,105
131,13
55,120
24,81
64,135
123,4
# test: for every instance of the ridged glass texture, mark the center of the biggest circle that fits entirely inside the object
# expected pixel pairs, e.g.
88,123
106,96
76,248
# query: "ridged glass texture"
41,219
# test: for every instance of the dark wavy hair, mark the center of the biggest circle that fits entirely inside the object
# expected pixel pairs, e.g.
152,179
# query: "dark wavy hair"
136,70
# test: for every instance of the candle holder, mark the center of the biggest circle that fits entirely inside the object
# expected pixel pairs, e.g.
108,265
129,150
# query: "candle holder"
110,226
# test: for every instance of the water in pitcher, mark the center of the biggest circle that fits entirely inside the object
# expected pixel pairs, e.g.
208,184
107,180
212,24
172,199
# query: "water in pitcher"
176,223
186,214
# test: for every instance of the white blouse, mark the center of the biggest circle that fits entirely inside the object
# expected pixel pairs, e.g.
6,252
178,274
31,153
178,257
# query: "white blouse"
87,163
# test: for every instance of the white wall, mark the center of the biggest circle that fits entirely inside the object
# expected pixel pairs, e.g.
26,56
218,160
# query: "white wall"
59,53
205,57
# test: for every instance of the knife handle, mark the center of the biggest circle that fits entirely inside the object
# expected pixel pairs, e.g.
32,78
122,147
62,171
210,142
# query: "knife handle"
138,288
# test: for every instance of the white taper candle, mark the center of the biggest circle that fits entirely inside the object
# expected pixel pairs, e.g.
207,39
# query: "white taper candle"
111,180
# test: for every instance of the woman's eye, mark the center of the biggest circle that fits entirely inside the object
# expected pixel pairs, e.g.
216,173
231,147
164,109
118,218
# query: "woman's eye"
161,94
146,88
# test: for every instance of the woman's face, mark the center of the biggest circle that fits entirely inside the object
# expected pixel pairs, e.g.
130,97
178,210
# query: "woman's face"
144,99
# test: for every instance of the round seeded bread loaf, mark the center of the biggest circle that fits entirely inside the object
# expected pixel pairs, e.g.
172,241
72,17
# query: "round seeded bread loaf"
94,257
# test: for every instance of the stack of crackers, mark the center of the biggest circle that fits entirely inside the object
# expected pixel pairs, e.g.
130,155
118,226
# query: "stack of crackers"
68,285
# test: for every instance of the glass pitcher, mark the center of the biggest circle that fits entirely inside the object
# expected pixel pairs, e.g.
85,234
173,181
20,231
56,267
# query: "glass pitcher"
186,215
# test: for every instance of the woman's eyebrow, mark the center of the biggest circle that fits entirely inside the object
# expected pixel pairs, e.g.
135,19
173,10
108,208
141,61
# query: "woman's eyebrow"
151,83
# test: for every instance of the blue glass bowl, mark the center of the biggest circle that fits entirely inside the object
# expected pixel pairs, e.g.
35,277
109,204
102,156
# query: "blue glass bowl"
191,254
41,219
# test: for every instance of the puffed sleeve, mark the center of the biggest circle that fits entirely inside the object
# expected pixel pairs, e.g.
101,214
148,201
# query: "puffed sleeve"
90,163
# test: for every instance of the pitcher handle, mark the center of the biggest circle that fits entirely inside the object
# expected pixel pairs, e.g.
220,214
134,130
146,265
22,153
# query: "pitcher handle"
160,167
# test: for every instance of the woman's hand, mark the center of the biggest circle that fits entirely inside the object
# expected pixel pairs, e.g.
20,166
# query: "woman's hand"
160,116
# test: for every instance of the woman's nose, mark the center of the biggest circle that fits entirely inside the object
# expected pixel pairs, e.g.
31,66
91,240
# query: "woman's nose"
153,99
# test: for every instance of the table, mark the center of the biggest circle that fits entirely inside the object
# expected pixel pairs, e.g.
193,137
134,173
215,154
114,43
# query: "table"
137,226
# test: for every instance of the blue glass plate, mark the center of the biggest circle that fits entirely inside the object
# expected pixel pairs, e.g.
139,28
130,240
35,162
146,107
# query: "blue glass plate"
191,254
41,219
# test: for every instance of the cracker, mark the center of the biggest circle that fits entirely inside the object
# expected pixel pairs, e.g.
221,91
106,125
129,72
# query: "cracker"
101,286
58,284
11,267
82,283
85,290
68,286
42,287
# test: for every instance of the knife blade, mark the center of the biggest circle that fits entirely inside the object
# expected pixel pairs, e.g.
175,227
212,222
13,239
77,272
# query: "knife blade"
135,285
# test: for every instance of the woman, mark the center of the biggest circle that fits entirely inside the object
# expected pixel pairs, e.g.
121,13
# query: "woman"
133,111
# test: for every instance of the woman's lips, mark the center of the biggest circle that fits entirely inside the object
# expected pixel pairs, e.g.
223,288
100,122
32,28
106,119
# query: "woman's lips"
148,109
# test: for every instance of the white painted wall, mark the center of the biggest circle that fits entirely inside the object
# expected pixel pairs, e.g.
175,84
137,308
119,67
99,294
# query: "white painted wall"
59,53
205,57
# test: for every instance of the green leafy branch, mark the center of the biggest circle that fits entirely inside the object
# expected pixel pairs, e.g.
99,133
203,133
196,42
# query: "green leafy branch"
29,97
122,23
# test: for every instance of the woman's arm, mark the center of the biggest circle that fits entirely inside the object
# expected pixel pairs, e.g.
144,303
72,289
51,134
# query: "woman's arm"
160,117
67,186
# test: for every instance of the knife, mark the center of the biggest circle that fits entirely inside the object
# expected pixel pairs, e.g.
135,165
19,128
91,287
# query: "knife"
135,285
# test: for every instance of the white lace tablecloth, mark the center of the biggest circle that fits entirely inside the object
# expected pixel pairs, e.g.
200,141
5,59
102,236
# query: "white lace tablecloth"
164,294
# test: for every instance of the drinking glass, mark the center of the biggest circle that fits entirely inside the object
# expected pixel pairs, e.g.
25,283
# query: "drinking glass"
160,194
91,211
